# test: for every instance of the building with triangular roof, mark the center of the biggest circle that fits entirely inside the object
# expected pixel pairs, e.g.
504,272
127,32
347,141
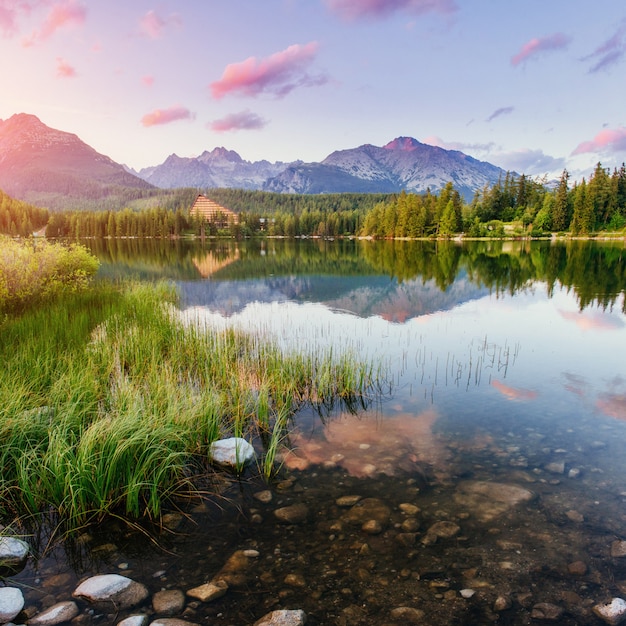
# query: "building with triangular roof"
213,212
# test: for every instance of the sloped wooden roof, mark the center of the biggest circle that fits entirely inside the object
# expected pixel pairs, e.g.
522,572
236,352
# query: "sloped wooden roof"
211,210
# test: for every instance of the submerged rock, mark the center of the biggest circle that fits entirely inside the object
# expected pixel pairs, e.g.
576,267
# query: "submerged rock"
11,603
56,614
134,620
209,591
283,617
292,514
367,510
168,602
111,592
488,500
233,452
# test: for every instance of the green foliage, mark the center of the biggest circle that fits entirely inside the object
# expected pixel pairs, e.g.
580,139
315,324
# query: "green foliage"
34,271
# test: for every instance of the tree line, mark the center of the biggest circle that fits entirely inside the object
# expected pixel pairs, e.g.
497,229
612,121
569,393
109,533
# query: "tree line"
528,206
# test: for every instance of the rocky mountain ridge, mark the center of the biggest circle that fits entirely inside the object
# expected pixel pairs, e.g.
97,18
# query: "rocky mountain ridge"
44,166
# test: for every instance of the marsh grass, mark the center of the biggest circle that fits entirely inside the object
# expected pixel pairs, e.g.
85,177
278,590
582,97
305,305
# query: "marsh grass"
109,402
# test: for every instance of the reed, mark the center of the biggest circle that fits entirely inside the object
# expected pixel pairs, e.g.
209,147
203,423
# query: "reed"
109,402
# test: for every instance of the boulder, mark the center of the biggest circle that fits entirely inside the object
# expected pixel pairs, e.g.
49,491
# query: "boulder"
134,620
234,453
111,592
11,603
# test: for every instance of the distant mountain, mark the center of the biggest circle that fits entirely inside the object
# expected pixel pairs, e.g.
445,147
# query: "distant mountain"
403,163
218,168
55,169
42,165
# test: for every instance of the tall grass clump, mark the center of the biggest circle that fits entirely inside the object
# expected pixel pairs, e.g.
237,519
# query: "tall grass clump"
109,402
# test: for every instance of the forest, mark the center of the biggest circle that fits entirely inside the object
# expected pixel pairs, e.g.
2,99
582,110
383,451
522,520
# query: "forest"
515,206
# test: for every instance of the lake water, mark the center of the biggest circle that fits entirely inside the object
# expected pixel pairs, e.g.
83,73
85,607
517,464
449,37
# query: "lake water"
487,486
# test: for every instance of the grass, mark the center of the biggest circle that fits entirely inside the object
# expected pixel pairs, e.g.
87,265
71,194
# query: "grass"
109,402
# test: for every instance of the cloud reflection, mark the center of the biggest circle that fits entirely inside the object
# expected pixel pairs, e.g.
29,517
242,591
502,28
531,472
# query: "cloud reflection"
514,393
593,320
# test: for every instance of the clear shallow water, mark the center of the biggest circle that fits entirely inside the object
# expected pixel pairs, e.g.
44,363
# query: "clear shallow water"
507,420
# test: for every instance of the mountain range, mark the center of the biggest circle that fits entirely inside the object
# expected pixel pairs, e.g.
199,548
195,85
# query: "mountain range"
54,168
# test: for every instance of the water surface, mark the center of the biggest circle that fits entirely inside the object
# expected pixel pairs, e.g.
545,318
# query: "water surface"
506,419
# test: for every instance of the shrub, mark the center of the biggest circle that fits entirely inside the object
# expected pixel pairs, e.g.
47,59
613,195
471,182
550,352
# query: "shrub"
32,271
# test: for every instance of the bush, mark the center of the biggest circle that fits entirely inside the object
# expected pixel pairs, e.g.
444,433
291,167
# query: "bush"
32,271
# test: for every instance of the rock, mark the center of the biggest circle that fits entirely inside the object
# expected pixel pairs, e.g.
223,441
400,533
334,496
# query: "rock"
578,568
264,496
111,592
410,524
409,509
366,510
134,620
56,614
408,615
13,553
172,621
209,591
547,612
372,527
233,571
467,593
283,617
488,500
233,452
575,516
613,612
618,549
11,603
168,602
347,500
292,514
502,603
557,467
445,530
295,580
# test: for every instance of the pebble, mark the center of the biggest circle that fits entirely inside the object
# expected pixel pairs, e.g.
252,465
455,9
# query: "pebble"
283,617
408,615
168,602
264,496
209,591
345,501
618,549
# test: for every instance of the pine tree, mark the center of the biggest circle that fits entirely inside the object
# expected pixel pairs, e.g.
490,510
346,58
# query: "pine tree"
560,211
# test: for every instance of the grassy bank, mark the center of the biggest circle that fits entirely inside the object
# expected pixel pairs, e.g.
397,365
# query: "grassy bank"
109,403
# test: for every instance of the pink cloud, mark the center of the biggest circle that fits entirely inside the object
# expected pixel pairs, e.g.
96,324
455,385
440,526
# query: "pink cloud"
244,120
277,74
64,69
608,140
357,9
166,116
152,25
538,45
10,11
62,14
148,81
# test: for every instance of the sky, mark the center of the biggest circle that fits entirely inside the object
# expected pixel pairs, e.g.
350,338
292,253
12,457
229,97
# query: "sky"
533,86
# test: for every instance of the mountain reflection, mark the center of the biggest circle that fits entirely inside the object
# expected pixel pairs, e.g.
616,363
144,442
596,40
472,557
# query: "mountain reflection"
396,280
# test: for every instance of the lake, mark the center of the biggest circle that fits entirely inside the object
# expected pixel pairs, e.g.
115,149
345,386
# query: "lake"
487,483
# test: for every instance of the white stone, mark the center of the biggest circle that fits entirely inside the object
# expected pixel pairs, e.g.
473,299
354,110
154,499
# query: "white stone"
613,612
11,603
13,551
234,452
111,591
56,614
